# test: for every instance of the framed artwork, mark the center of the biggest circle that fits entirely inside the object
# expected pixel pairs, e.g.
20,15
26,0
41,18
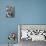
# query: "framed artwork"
32,32
10,11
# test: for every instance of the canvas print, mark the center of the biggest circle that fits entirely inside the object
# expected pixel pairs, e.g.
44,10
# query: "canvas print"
31,33
11,37
10,11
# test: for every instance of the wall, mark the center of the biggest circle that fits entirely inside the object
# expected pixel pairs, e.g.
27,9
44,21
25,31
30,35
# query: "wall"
26,12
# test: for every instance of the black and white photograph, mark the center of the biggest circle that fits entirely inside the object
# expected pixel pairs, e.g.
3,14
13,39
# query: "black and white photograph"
10,11
31,34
